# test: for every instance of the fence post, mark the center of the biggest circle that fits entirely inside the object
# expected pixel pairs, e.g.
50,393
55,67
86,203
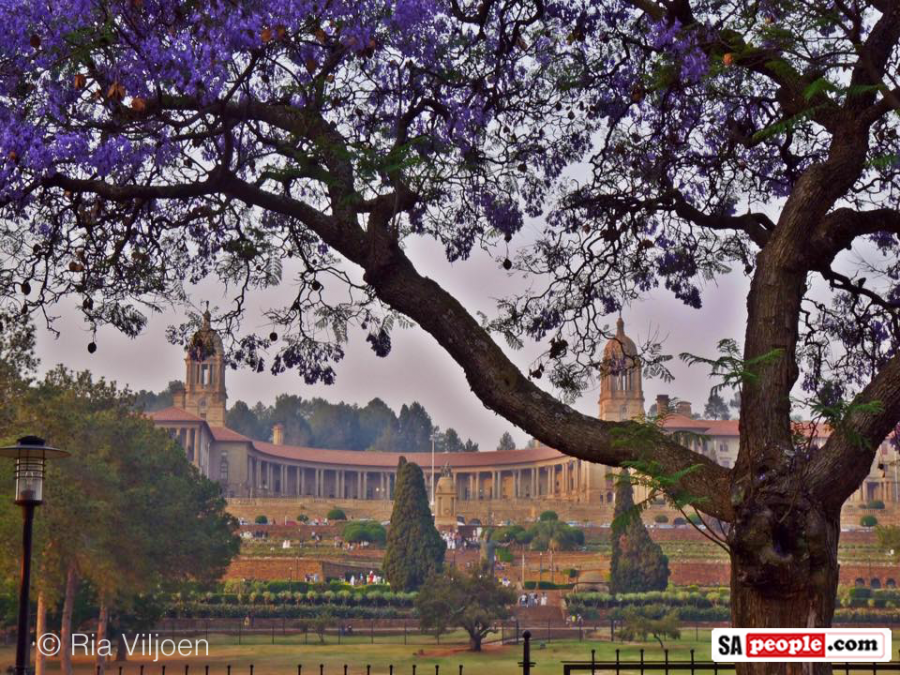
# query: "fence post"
142,669
414,669
251,669
692,662
460,669
229,669
617,662
666,652
187,668
642,662
321,668
526,653
593,660
345,669
299,669
437,669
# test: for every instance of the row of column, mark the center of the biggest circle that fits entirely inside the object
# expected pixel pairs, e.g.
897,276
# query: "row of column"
298,481
561,480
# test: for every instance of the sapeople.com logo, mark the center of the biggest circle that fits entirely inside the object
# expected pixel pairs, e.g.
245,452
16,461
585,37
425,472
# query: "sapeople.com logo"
801,644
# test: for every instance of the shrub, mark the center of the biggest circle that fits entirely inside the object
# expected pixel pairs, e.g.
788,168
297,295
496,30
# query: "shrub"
661,518
695,518
504,555
303,518
336,514
261,520
868,521
364,530
548,515
875,504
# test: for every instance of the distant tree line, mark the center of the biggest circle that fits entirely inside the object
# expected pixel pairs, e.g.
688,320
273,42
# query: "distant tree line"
318,423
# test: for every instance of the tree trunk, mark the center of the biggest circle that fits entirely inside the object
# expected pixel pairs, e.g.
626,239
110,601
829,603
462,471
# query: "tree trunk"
784,568
475,642
40,627
102,634
65,631
121,647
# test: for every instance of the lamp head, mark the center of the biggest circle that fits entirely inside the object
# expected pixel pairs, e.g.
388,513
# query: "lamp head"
31,454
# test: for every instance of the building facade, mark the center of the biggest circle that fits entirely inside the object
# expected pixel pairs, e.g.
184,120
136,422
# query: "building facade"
535,476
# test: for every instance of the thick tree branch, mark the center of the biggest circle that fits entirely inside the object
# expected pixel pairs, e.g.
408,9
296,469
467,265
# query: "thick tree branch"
840,227
838,469
497,382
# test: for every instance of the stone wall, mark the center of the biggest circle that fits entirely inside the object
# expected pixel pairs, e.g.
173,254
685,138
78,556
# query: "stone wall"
278,509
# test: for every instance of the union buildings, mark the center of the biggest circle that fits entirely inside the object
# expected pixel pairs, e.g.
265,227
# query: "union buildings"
484,485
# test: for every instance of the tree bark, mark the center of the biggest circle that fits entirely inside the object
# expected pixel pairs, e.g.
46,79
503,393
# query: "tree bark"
474,642
65,631
40,627
102,634
784,568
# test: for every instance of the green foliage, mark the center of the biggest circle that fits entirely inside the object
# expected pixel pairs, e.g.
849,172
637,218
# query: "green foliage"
261,520
126,511
868,521
839,416
637,626
638,563
661,518
336,514
875,504
415,550
365,530
475,602
554,535
889,539
506,442
731,367
547,516
302,518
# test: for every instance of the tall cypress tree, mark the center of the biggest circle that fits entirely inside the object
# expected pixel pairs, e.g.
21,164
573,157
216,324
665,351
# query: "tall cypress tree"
415,549
638,563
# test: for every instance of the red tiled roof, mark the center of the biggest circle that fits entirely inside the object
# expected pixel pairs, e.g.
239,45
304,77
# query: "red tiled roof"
456,460
173,414
226,434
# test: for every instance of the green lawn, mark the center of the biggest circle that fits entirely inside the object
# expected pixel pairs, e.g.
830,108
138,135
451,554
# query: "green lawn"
283,657
357,652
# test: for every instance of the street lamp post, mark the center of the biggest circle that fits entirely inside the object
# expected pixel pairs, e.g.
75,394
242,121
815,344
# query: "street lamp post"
30,454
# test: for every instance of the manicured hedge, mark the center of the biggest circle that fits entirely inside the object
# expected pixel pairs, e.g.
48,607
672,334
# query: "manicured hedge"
198,610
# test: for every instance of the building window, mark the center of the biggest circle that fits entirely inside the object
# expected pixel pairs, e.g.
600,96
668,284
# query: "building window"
223,469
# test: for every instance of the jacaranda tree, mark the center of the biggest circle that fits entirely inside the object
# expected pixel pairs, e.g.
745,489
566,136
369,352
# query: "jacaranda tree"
150,143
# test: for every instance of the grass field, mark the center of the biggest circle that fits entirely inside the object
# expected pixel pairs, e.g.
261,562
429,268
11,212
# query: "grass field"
284,657
357,652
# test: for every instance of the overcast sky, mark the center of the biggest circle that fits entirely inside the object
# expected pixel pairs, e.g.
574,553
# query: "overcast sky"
417,368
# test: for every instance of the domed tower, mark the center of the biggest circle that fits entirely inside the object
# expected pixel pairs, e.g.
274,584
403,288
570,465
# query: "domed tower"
445,500
621,390
204,381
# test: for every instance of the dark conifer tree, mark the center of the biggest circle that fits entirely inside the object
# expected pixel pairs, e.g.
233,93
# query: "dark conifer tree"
415,550
638,563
